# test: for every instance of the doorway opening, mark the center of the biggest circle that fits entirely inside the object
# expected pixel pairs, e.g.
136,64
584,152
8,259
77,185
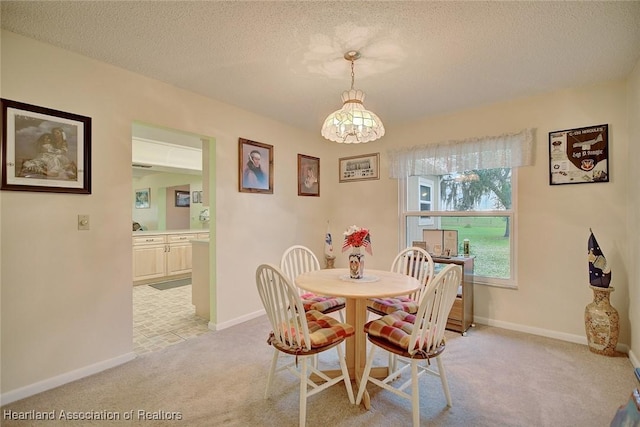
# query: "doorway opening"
168,170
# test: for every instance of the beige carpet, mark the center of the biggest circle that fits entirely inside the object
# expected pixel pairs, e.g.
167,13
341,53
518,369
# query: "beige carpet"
497,378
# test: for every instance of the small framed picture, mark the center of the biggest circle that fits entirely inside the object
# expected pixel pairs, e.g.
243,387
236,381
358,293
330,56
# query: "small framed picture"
437,249
359,168
44,149
255,169
579,156
419,244
308,176
182,199
195,197
143,198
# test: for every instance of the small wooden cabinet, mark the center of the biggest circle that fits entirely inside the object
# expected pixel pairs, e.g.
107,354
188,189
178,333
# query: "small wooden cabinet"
160,257
461,314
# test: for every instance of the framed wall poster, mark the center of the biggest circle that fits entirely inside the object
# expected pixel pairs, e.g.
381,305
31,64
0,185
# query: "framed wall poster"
308,176
143,198
44,149
359,168
182,199
579,156
255,169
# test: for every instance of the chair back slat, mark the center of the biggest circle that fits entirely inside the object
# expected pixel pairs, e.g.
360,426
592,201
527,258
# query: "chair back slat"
298,259
431,319
283,306
415,262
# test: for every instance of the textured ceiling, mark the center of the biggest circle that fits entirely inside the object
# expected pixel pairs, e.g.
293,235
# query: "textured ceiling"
284,60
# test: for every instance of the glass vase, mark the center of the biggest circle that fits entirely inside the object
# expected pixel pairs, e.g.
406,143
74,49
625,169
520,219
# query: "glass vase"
356,263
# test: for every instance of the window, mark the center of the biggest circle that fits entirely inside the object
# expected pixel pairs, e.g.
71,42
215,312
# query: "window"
425,199
474,183
479,206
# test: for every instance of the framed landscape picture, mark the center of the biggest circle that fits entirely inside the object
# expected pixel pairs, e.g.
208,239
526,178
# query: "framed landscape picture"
255,169
143,198
44,149
308,176
183,199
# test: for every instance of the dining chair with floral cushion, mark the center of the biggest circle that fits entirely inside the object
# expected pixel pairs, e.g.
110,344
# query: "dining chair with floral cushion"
300,333
299,259
416,339
412,261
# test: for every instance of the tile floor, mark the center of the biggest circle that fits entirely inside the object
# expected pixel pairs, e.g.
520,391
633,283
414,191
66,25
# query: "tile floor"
164,318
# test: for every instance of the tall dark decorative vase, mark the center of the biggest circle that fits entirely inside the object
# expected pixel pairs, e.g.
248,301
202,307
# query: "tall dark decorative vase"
356,264
602,322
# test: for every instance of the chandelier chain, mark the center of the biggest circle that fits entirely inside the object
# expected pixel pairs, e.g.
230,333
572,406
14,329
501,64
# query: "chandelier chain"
353,75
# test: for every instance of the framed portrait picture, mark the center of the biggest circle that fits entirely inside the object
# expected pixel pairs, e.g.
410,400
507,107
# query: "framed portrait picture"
195,197
143,198
308,176
579,156
45,149
255,169
183,200
359,168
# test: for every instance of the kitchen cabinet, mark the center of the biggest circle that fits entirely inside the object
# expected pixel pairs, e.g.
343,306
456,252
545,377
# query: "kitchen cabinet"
461,314
158,257
149,253
179,254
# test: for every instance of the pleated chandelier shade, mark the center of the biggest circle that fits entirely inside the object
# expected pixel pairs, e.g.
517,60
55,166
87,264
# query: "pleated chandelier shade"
352,124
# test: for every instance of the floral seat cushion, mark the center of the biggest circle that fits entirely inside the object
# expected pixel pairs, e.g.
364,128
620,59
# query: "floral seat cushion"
395,328
311,301
391,305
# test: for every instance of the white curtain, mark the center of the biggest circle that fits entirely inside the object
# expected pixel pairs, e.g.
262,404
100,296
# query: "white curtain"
489,152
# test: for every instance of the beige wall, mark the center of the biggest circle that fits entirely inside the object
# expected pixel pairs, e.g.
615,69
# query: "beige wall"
553,221
634,212
66,295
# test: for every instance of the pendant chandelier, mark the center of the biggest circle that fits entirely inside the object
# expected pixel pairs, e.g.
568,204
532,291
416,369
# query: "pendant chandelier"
352,124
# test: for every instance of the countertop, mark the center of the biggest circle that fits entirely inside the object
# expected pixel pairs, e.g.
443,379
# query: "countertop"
156,232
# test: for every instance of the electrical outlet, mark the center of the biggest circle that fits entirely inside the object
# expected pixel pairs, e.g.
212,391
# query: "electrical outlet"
83,222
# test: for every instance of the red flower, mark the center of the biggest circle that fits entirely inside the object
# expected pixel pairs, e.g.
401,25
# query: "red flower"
356,237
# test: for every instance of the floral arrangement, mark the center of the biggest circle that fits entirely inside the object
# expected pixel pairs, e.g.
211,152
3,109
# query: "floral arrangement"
356,237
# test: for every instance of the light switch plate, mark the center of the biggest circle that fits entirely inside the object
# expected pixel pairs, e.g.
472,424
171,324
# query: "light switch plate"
83,222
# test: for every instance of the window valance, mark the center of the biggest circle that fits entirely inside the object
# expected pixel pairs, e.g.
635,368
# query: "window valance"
489,152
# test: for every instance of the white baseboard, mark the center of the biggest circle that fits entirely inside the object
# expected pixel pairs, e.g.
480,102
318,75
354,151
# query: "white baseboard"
634,359
238,320
578,339
48,384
